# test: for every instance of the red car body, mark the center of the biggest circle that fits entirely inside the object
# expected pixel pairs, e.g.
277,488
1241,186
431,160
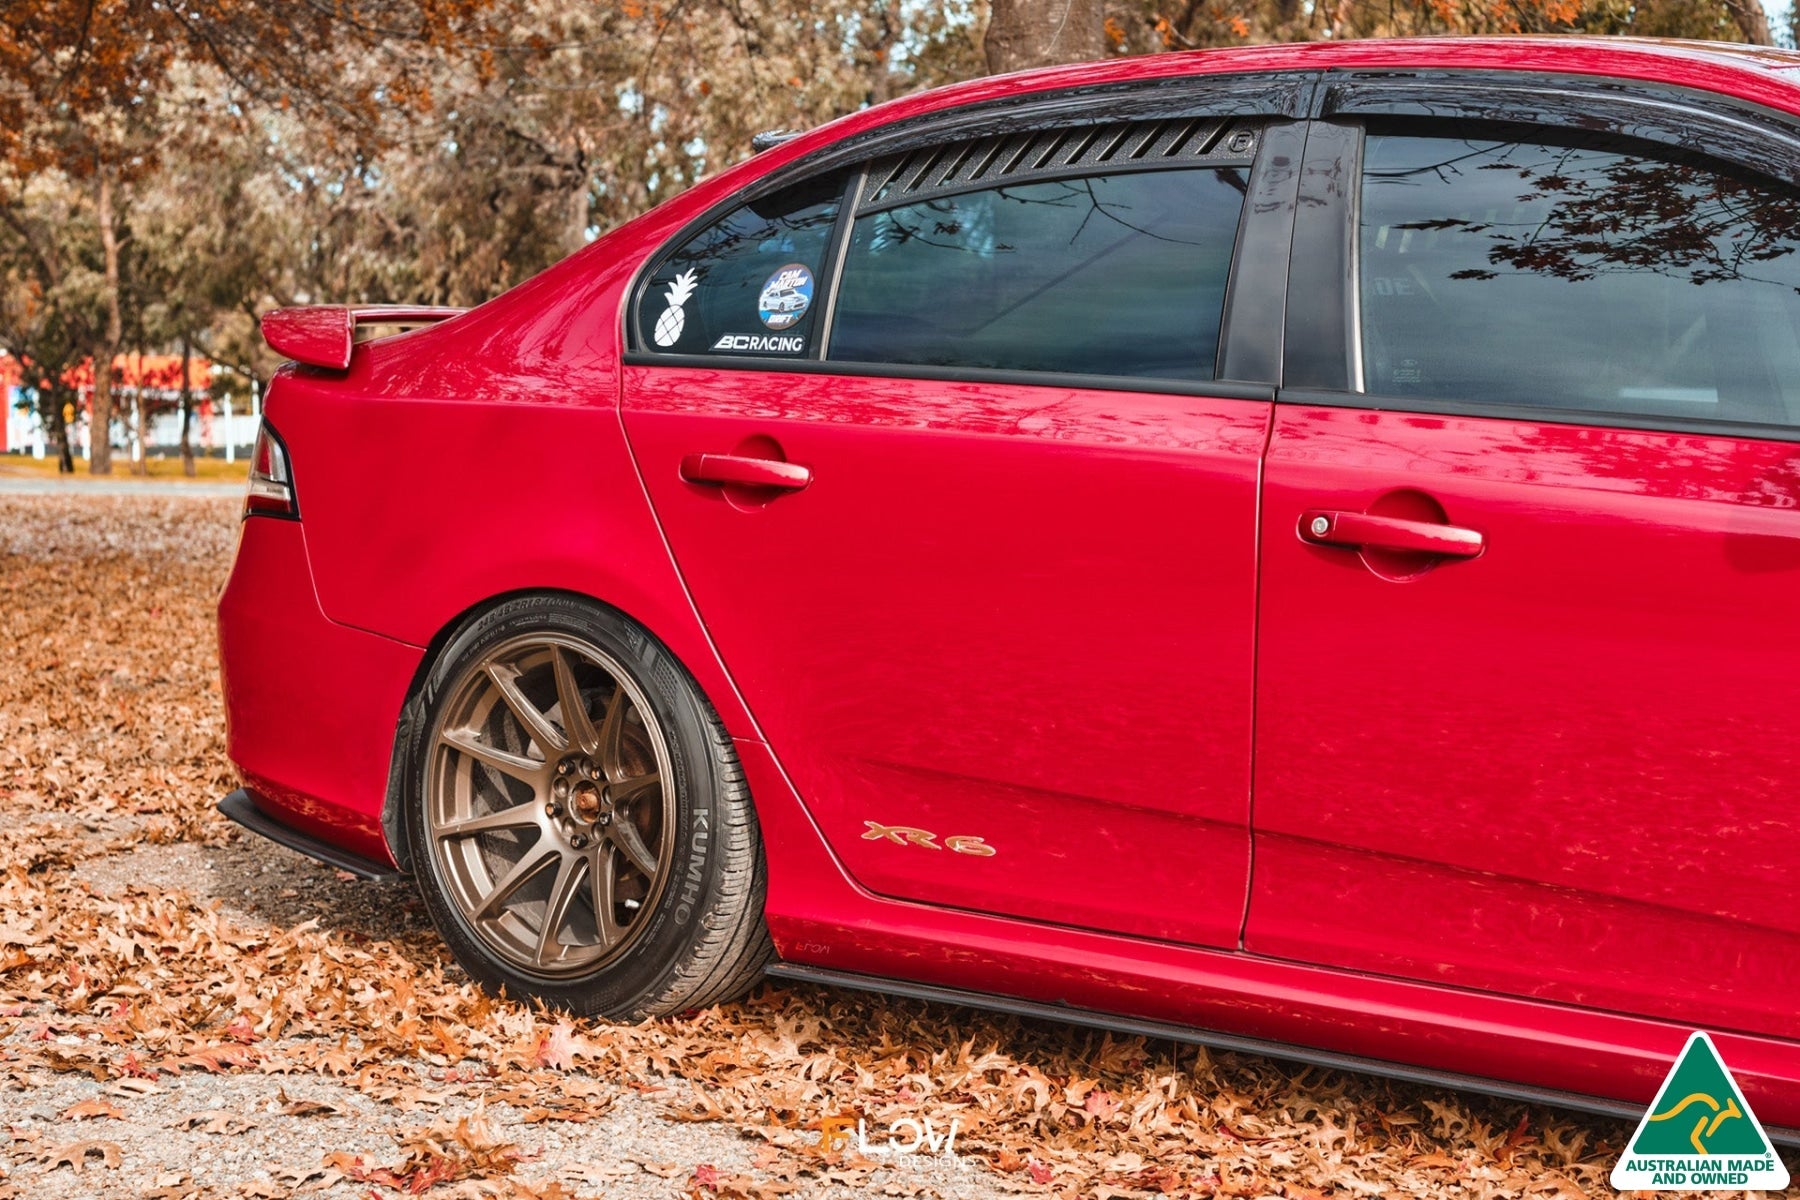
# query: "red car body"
1527,818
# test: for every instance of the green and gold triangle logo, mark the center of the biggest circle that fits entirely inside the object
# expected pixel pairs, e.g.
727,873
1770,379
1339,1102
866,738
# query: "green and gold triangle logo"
1699,1133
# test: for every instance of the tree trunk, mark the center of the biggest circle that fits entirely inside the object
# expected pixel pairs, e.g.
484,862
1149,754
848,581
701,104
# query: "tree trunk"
100,420
187,407
1038,33
56,414
1752,22
100,437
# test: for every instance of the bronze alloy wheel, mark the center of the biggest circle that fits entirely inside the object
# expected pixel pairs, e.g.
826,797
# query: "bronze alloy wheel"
548,809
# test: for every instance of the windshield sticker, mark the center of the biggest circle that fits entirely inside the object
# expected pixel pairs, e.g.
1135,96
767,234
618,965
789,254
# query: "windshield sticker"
761,343
786,296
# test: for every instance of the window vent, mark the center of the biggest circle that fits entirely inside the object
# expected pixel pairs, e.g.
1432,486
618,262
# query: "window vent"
932,171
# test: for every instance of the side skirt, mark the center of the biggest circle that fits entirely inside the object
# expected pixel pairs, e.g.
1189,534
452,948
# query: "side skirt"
1090,1019
241,808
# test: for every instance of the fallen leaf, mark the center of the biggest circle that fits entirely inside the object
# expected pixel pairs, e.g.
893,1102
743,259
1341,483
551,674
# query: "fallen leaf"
76,1154
89,1109
305,1108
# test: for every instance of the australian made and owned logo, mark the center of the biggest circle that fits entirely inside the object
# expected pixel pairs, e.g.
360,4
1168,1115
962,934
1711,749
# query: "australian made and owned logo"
1699,1133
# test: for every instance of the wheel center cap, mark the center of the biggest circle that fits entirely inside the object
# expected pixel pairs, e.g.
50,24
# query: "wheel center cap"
587,802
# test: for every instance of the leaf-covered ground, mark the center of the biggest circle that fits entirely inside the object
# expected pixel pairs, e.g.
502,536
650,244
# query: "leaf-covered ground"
188,1011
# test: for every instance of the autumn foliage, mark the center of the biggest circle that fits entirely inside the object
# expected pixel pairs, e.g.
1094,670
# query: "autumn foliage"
168,170
80,72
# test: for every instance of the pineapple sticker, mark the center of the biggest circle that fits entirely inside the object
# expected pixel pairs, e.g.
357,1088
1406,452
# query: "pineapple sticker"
674,318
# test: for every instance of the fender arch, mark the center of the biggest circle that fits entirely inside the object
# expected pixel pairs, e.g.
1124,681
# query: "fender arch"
412,710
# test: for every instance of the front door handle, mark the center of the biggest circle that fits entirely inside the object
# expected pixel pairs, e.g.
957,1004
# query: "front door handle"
1366,531
725,470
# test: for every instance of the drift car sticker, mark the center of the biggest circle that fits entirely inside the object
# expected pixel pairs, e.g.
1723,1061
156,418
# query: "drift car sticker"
786,295
674,318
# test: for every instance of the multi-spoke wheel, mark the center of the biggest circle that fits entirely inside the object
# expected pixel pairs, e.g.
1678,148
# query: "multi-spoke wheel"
561,783
545,803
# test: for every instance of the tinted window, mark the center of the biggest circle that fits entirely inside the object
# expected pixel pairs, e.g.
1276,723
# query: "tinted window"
1106,275
747,284
1581,275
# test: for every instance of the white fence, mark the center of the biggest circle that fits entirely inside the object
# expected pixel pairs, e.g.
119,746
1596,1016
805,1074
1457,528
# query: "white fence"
233,431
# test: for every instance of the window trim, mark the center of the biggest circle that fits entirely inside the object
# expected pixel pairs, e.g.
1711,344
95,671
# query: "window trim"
1318,350
836,252
1253,324
1691,122
1425,406
1638,109
1277,96
1212,389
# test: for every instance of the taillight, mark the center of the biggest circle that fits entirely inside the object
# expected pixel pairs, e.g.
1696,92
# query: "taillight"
271,479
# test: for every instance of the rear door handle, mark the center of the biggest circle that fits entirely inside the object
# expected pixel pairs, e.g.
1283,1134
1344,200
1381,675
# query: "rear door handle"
1362,530
721,470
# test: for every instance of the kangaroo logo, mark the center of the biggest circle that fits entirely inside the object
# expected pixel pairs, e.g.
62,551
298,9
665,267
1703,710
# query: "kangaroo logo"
1715,1115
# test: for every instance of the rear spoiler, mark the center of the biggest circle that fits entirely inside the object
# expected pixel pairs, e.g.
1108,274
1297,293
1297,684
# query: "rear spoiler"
323,335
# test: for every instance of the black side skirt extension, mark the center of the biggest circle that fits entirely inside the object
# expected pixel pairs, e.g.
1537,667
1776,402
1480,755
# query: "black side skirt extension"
242,809
1423,1076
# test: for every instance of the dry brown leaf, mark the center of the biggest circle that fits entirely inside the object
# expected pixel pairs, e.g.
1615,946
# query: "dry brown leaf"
304,1108
662,1170
87,1110
217,1121
76,1154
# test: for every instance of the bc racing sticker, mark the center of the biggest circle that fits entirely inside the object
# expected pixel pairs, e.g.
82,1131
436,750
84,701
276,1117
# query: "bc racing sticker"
761,343
786,295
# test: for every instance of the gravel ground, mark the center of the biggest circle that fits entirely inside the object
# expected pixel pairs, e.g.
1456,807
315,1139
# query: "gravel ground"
54,485
269,1135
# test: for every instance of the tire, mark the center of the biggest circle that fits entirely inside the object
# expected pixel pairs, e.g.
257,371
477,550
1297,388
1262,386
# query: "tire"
508,829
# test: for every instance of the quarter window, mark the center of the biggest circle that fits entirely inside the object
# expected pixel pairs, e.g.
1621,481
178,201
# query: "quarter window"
1577,274
1120,274
747,284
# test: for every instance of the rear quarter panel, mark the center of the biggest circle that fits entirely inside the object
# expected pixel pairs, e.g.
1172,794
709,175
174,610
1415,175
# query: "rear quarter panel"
484,457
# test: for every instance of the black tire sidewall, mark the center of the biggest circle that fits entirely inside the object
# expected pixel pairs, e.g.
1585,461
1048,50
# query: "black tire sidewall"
630,983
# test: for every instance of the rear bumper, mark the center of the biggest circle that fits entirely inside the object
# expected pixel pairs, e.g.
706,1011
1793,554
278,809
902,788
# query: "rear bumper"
311,706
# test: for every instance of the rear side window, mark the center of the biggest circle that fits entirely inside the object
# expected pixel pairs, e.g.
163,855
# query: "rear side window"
1578,274
747,284
1107,274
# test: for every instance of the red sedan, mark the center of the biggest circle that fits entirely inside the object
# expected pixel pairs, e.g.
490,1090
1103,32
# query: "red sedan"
1295,548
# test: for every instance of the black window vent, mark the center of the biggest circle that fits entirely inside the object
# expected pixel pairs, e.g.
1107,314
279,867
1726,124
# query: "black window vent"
932,171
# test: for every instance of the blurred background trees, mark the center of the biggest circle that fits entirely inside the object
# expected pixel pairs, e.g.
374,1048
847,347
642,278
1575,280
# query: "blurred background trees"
171,168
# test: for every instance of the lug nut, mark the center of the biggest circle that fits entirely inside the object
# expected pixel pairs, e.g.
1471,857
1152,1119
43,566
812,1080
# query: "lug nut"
550,810
579,842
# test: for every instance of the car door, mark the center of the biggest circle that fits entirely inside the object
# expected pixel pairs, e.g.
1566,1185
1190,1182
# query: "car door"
974,533
1529,653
